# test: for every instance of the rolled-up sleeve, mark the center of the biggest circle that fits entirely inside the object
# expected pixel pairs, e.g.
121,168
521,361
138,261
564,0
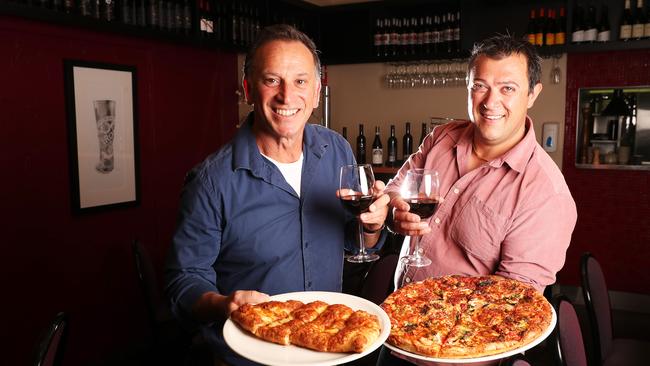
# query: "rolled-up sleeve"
535,246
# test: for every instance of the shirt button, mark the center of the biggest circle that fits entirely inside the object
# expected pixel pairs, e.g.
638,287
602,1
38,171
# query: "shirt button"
309,284
456,190
407,279
306,244
437,220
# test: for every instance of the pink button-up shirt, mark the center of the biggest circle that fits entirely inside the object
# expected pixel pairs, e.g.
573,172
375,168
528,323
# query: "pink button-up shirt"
512,216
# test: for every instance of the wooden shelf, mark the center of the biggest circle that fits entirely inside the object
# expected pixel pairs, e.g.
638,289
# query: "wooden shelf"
385,170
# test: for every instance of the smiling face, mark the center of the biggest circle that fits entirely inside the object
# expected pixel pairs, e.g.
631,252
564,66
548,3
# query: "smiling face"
284,88
498,100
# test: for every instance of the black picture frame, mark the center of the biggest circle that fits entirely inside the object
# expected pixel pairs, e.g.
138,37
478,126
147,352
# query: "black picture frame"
102,118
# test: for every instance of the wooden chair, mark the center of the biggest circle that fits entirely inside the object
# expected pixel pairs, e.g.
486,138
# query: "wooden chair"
170,340
49,351
566,339
516,360
607,349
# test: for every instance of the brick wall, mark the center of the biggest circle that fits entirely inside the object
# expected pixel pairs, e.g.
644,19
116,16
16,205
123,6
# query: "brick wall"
613,205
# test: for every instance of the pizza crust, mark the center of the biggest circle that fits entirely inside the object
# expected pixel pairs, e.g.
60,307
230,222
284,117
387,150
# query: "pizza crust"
316,325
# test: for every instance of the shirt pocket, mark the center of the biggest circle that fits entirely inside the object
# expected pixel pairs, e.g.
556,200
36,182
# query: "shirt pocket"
479,230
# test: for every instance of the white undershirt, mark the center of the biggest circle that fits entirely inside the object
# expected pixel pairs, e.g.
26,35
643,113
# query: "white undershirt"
292,172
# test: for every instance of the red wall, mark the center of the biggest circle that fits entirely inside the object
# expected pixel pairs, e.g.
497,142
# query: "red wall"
613,205
55,261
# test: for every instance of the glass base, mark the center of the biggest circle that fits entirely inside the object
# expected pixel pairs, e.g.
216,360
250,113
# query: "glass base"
363,258
416,261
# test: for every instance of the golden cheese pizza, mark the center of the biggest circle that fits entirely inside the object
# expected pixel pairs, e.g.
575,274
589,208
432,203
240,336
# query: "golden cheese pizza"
466,317
316,325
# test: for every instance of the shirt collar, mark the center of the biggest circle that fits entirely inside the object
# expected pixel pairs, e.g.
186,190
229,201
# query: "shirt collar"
246,154
516,158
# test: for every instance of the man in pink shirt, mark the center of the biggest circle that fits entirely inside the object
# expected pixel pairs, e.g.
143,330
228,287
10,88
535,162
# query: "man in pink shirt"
505,208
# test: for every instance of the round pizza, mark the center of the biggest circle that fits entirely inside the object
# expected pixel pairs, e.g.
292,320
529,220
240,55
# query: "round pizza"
466,317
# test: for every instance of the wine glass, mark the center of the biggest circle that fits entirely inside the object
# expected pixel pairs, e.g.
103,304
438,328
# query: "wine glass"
355,192
421,190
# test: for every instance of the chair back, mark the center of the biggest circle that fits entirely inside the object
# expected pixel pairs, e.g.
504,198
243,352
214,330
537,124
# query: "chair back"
49,351
569,347
598,306
148,283
378,283
516,360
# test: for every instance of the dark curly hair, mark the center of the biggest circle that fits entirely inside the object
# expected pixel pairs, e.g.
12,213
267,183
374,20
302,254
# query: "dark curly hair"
501,46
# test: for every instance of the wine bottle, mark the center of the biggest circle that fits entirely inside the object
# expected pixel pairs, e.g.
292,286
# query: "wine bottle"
392,148
405,36
428,35
377,38
407,142
345,133
551,29
604,32
422,34
577,31
361,146
457,32
377,149
541,28
413,36
639,21
560,35
626,23
395,37
591,30
436,35
424,133
531,29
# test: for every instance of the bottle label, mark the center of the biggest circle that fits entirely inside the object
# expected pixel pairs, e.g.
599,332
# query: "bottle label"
427,37
590,34
531,38
539,39
560,38
646,29
550,39
456,34
578,36
377,156
626,31
377,40
604,36
391,158
637,30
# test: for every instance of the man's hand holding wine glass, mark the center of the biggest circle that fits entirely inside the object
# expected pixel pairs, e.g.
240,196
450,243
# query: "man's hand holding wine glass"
373,219
405,222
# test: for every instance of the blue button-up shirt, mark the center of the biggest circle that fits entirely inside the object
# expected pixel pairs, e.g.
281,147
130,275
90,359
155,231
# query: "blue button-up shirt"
242,226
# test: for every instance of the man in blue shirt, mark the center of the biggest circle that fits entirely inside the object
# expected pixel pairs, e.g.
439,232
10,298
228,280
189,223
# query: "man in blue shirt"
261,216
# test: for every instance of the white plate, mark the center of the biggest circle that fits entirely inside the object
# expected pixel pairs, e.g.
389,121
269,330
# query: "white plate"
255,349
498,356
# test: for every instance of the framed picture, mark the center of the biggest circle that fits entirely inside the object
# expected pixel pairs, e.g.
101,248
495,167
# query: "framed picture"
102,129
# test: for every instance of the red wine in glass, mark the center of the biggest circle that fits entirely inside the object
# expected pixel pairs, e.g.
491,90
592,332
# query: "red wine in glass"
423,207
356,195
356,204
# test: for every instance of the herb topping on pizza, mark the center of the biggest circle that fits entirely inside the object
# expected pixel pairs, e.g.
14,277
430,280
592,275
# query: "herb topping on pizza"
466,317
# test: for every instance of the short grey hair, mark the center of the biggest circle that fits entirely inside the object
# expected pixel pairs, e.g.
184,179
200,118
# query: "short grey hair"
280,32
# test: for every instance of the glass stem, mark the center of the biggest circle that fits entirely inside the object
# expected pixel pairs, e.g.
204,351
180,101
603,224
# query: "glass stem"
362,242
416,246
